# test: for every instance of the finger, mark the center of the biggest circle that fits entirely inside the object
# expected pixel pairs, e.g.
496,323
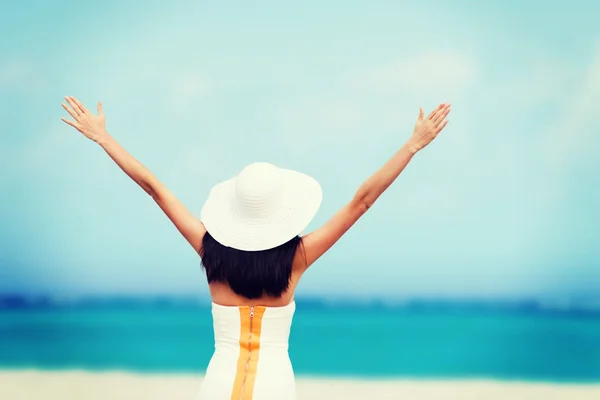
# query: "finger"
421,114
70,111
434,111
100,111
81,106
441,116
73,105
73,124
442,126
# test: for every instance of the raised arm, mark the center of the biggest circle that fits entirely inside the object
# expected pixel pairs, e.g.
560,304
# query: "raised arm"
319,241
94,127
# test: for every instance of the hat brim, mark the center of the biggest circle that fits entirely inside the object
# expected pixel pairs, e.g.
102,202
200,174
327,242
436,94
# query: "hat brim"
303,198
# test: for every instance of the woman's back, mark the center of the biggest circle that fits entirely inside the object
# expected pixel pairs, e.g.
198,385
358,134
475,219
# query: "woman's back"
251,360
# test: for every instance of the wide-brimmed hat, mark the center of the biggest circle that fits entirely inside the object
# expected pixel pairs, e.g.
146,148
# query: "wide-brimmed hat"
261,208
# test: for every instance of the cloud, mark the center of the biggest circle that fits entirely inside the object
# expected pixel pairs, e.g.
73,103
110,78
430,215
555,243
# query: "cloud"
38,155
21,75
541,82
184,91
326,115
14,70
432,72
576,132
383,98
360,100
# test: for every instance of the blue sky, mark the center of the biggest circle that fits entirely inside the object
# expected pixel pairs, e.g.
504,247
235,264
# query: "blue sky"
504,203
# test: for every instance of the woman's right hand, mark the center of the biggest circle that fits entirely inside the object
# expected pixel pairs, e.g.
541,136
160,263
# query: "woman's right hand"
427,129
92,126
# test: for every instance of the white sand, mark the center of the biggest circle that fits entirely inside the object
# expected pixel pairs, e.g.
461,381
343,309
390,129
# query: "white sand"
25,385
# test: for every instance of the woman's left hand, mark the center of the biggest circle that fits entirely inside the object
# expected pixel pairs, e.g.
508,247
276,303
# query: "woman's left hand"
92,126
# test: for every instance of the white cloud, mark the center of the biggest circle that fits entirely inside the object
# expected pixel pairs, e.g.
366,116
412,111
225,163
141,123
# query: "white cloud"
14,70
346,107
325,115
541,82
194,163
576,133
21,75
431,72
43,149
184,91
381,99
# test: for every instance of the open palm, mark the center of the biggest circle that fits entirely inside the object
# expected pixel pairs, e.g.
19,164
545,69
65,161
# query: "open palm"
92,126
427,129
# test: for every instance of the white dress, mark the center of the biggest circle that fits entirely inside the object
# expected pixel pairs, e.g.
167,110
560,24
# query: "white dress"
251,360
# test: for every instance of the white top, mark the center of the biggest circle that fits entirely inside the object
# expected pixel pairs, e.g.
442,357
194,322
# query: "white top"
251,360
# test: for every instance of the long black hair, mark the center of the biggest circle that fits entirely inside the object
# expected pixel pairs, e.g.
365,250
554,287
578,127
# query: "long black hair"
250,274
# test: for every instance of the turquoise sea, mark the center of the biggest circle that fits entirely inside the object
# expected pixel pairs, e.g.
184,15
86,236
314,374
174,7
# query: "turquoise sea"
416,339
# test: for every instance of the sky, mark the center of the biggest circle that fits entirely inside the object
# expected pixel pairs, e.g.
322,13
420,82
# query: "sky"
504,203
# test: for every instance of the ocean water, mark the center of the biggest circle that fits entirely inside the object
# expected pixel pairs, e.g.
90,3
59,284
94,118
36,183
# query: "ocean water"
415,340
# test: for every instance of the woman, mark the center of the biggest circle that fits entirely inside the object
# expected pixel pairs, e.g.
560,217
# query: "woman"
249,241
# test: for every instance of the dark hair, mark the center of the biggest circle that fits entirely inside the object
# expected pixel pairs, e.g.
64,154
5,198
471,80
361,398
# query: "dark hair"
250,273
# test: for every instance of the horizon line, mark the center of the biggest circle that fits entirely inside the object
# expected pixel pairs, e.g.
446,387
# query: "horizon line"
523,304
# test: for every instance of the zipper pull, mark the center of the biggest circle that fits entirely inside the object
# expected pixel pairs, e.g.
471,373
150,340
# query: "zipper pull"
251,312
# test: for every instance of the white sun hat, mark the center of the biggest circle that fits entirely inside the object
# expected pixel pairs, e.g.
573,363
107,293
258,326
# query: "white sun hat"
261,208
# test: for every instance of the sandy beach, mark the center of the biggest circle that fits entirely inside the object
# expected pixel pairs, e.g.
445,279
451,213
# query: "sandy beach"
32,384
